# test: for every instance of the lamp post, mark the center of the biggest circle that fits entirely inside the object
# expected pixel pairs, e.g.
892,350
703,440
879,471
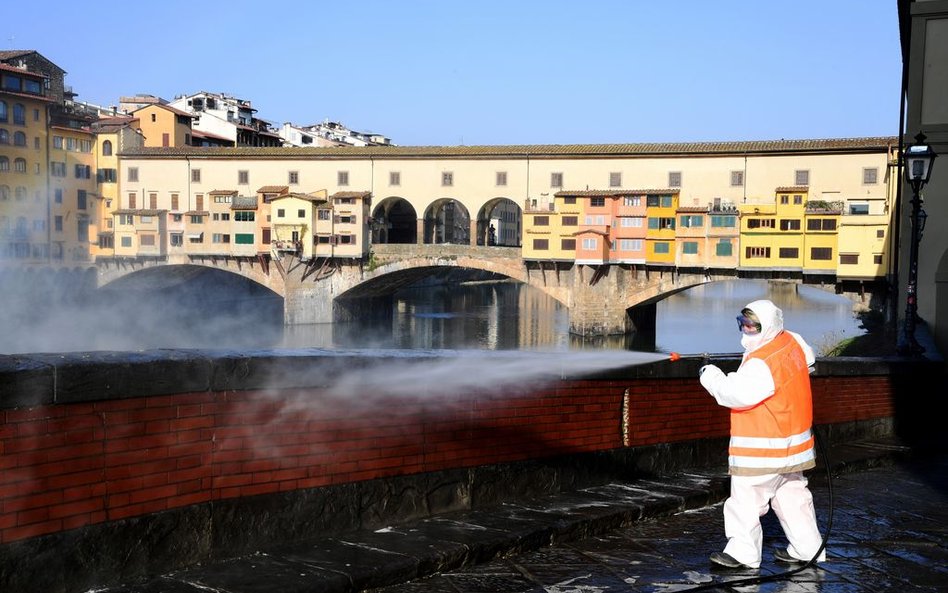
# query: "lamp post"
917,161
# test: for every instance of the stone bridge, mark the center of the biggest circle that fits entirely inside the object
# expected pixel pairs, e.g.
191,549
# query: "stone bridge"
601,300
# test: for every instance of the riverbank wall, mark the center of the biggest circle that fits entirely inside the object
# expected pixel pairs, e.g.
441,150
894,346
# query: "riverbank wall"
114,466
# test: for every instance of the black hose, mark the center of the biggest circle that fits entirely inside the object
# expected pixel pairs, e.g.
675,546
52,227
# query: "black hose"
784,575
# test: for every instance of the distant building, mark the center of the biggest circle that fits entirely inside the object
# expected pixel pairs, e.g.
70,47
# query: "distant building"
219,116
329,133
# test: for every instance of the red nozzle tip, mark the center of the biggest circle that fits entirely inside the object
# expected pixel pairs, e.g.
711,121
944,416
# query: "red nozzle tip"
674,356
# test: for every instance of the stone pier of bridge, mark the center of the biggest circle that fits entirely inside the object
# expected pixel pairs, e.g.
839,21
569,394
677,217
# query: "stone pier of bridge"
601,299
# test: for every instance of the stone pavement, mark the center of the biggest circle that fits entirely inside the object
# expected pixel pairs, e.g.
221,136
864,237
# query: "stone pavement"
889,532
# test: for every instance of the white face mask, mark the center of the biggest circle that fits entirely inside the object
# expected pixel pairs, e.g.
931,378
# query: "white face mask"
752,342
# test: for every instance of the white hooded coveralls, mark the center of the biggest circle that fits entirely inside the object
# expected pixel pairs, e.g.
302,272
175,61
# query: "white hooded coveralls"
752,496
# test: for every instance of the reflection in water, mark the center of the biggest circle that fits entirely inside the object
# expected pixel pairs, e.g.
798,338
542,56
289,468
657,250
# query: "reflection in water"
209,309
511,316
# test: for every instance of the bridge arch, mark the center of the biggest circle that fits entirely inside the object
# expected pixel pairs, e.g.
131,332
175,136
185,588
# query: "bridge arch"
394,220
447,221
500,222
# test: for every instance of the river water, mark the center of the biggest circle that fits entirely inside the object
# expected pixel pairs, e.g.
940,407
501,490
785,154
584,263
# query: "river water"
511,316
218,310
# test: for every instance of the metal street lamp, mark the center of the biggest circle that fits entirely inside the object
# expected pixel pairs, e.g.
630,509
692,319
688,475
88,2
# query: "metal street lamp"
917,161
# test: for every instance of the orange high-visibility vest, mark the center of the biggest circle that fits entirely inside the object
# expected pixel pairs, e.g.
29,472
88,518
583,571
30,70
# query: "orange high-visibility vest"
775,436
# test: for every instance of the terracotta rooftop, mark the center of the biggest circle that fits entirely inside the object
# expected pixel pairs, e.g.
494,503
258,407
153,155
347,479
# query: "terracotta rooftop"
841,145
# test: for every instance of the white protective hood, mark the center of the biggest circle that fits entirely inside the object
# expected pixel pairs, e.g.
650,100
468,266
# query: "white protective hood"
771,324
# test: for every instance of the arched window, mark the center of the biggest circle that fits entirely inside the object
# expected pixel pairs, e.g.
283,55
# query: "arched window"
19,114
19,139
20,193
107,148
3,111
19,165
21,224
4,163
4,192
4,136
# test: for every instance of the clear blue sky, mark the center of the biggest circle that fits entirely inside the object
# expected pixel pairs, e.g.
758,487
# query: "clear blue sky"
446,72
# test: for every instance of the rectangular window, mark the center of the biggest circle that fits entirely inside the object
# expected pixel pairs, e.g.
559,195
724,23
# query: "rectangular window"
801,177
797,200
690,221
146,240
880,234
133,174
662,247
501,178
126,219
342,178
877,259
293,177
447,178
724,248
196,219
570,220
177,239
195,176
788,253
630,244
790,224
569,200
723,222
324,215
870,176
760,223
689,248
597,202
81,199
153,200
244,216
541,244
737,179
132,200
243,238
199,202
674,179
541,220
174,201
394,178
301,213
615,179
851,259
757,252
556,180
58,224
821,253
220,238
858,209
784,200
632,201
568,244
821,224
590,244
126,241
243,177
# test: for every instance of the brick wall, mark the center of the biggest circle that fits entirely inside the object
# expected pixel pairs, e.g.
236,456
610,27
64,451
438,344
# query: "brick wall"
68,465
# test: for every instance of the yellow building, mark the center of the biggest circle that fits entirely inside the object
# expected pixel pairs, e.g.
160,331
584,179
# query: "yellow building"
820,238
112,135
349,225
293,221
24,157
660,232
72,187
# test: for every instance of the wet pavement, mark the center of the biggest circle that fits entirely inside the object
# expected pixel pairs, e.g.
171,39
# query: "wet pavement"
888,533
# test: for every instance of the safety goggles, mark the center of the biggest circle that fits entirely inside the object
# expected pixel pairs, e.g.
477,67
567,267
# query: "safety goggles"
747,325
